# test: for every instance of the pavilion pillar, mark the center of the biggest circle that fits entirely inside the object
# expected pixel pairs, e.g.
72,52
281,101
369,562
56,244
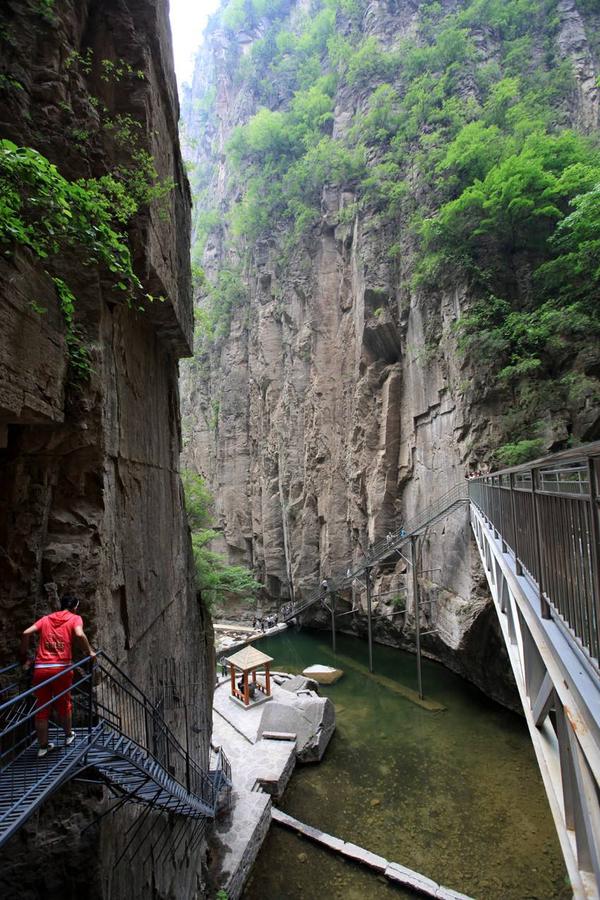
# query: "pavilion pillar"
246,690
268,678
232,670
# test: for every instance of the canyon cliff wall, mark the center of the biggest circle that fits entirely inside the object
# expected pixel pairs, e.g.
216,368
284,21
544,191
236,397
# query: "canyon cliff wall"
331,401
90,493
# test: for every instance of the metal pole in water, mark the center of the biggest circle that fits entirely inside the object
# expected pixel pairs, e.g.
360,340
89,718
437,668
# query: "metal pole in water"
332,601
369,630
415,584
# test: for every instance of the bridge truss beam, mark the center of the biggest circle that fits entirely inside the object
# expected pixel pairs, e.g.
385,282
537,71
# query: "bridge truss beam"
560,695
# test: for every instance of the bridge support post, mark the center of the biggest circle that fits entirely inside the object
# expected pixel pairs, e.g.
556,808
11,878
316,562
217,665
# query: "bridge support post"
518,567
332,602
415,586
369,624
538,547
594,502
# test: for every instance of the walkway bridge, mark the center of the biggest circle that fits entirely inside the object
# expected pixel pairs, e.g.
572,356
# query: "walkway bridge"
380,552
121,740
537,530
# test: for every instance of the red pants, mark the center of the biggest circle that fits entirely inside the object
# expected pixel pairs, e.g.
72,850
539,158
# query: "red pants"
45,693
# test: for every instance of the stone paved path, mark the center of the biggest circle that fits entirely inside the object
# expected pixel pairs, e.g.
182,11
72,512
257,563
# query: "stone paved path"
259,768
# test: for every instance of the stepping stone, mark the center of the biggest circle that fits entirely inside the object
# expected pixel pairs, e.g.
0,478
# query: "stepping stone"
323,674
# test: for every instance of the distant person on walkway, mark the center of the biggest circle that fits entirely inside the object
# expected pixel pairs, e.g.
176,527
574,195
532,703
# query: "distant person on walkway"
56,633
324,585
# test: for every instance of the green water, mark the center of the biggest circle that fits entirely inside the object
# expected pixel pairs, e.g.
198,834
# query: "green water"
455,795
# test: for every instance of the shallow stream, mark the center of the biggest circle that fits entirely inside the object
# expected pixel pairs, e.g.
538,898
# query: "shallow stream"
455,795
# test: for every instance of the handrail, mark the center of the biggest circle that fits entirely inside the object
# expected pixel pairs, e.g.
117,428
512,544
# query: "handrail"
110,697
32,690
456,494
547,515
9,668
393,540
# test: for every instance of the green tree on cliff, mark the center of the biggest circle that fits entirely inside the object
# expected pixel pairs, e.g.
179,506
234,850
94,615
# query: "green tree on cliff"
216,580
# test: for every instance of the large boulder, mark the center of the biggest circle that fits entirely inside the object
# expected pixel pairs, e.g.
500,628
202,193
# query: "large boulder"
323,674
310,718
300,683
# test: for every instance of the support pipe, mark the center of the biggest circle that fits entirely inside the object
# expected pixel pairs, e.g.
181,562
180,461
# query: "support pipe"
415,584
369,627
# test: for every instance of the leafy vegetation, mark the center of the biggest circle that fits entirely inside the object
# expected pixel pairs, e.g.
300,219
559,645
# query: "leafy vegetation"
520,452
54,217
48,214
466,151
216,580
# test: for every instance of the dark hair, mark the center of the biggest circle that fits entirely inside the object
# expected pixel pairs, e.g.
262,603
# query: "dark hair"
68,601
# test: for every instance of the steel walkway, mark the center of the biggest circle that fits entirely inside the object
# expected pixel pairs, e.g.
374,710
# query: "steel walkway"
389,546
536,528
121,740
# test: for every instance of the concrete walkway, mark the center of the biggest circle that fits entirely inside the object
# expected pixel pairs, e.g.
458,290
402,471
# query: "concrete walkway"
262,765
260,769
394,872
230,638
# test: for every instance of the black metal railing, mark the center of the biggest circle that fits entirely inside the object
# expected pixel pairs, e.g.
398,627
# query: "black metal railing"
547,514
121,703
17,730
109,711
456,496
221,772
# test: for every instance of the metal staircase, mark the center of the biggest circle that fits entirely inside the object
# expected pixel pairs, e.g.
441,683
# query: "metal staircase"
446,504
121,739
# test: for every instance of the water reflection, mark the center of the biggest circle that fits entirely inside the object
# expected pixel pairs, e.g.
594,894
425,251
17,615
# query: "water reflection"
455,795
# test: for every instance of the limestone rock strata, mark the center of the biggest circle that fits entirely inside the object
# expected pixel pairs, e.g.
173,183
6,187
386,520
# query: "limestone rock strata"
90,495
338,405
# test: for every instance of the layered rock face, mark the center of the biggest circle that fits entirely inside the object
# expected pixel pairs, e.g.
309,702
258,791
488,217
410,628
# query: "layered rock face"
90,495
338,405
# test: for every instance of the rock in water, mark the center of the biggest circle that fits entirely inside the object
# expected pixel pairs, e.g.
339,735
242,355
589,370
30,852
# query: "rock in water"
300,683
323,674
311,719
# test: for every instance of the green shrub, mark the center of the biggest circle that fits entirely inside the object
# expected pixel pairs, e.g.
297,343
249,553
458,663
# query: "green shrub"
215,579
467,159
520,452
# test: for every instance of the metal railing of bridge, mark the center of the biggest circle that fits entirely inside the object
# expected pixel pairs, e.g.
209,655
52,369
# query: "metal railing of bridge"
548,516
119,733
536,530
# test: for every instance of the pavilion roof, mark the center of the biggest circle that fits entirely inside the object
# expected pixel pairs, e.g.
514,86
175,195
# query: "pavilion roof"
248,658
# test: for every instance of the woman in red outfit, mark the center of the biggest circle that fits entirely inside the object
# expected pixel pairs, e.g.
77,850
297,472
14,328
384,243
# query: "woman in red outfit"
56,633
